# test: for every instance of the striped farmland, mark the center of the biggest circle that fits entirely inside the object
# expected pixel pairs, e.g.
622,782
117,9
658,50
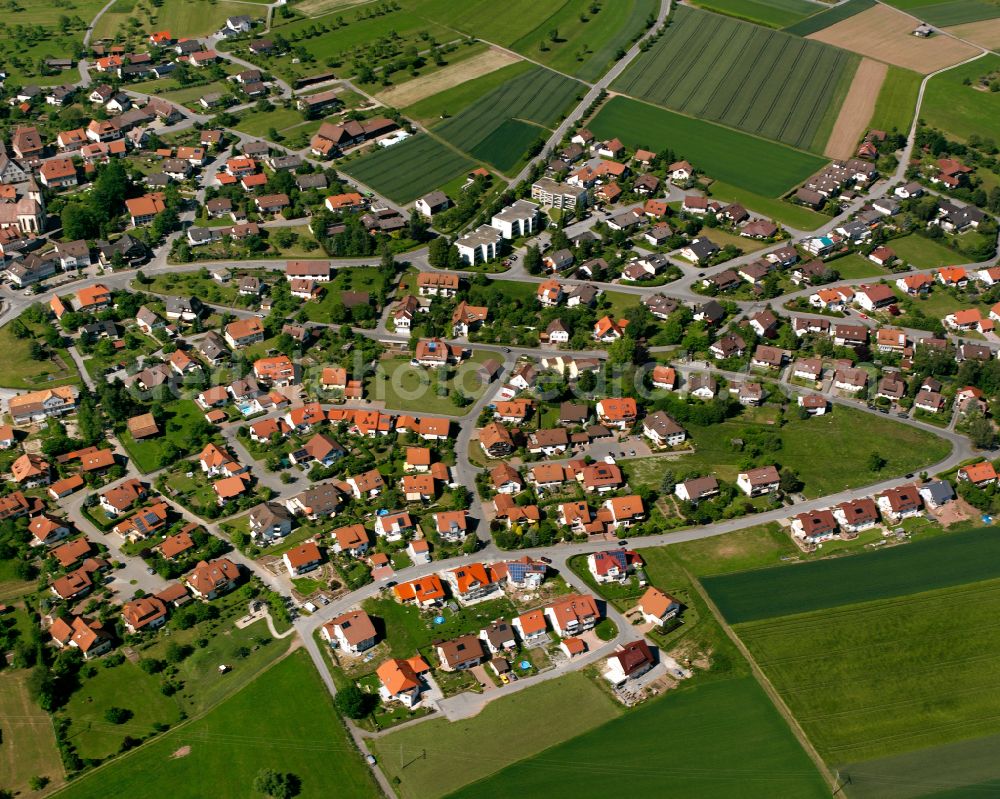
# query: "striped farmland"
765,82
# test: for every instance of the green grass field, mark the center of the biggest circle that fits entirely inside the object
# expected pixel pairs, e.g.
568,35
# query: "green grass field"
29,744
146,453
743,161
180,17
22,371
922,252
764,82
586,42
452,101
461,752
939,562
370,279
539,96
712,741
824,19
751,548
413,388
897,100
949,12
481,17
961,110
905,448
409,169
773,13
283,720
894,678
795,216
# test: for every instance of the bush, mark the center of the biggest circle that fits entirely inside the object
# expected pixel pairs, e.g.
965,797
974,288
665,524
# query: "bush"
152,665
117,715
353,702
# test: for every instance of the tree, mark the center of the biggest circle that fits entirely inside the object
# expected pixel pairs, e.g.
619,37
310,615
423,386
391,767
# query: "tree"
554,35
981,431
622,350
876,462
79,222
276,785
533,260
353,702
789,481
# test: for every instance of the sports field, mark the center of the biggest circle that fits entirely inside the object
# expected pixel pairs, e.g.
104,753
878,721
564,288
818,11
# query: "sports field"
830,16
437,757
885,34
940,562
765,82
886,677
949,12
284,720
539,96
716,740
773,13
960,110
744,161
409,169
588,34
896,101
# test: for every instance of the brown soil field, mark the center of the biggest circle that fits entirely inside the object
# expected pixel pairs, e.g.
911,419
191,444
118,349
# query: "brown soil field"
885,34
857,110
985,33
314,8
417,89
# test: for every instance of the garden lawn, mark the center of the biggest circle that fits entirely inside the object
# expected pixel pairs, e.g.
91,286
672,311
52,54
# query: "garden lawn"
905,448
21,371
147,453
360,278
897,100
788,87
941,674
258,124
405,171
922,252
854,266
939,562
959,110
458,753
29,744
726,739
773,13
408,630
283,720
737,158
413,388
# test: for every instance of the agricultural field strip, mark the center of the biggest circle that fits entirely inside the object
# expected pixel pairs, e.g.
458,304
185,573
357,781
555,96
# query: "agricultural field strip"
831,16
954,13
409,169
696,85
952,658
525,98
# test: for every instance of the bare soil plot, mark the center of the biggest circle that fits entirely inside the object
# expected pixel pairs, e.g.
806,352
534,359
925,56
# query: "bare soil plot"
985,33
885,34
313,8
417,89
857,110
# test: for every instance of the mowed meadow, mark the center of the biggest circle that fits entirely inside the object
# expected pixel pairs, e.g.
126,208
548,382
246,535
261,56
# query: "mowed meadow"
761,81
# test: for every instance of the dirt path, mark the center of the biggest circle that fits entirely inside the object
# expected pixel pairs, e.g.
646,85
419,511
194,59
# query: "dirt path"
765,683
417,89
885,34
856,112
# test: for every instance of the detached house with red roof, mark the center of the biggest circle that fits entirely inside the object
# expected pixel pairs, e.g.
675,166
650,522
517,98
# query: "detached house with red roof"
979,474
402,680
613,566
